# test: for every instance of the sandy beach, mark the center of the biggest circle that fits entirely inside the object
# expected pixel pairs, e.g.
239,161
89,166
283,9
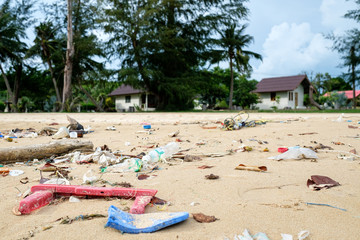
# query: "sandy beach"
272,202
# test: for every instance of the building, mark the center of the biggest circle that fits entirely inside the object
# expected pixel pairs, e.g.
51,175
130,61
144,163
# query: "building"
129,99
348,94
283,92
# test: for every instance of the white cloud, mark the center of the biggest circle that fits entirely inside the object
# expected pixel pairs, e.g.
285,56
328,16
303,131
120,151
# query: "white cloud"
333,12
292,48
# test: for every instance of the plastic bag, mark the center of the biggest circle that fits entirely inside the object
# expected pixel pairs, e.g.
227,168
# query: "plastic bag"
63,132
89,177
295,153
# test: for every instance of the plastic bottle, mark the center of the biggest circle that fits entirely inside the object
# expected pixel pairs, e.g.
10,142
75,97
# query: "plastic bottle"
161,153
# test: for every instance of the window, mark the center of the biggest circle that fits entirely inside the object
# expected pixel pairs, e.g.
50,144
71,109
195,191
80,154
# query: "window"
127,99
291,96
273,96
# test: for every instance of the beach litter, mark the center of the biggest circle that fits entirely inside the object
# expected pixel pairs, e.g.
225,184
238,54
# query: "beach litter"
43,194
262,236
251,168
327,205
142,223
318,182
296,153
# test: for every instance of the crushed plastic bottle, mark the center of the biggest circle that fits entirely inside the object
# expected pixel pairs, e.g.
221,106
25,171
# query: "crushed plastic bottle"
161,153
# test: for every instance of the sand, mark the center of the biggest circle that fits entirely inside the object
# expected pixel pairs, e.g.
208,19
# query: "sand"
272,202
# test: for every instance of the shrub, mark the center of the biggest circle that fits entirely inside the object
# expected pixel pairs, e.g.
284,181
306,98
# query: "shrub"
2,106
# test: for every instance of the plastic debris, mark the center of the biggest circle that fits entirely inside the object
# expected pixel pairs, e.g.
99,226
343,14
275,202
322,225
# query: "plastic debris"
63,132
285,236
251,168
15,173
303,234
247,236
296,153
318,182
89,177
111,128
142,223
327,205
74,199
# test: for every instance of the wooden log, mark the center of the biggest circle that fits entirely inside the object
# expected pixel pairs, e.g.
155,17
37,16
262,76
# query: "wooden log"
40,151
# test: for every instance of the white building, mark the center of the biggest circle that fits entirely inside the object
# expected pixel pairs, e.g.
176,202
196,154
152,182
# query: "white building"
128,99
283,92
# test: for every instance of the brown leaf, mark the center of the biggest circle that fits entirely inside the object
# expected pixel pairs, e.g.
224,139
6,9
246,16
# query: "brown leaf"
353,151
351,126
211,176
190,158
158,201
143,176
205,166
202,218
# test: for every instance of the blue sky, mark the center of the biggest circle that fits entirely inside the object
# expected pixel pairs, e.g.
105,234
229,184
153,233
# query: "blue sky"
289,34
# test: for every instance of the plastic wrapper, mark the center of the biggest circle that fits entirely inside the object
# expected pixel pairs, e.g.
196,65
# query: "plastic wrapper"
63,132
296,153
89,177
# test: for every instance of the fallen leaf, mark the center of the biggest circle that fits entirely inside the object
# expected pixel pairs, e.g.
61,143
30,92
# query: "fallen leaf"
143,176
202,218
353,151
211,176
209,127
158,201
205,166
351,126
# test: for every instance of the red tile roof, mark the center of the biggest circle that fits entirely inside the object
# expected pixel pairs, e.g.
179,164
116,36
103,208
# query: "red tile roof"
125,90
348,94
280,84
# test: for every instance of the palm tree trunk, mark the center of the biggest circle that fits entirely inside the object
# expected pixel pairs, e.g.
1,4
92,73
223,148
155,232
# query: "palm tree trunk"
98,106
58,97
231,83
69,58
10,92
353,82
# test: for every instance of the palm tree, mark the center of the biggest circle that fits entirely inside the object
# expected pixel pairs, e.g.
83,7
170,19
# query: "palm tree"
11,45
47,47
232,43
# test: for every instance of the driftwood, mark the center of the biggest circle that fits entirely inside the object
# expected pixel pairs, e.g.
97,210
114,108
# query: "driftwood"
40,151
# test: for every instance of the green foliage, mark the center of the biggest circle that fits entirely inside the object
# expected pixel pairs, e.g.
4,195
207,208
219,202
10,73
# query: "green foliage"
232,43
162,44
25,104
2,106
348,45
87,106
242,93
336,100
221,105
306,100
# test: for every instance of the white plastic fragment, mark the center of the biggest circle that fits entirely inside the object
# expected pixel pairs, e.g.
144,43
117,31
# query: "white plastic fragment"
89,177
303,234
63,132
15,173
57,181
296,153
74,199
285,236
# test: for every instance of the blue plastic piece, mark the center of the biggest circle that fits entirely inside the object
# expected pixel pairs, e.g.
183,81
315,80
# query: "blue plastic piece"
142,223
147,126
